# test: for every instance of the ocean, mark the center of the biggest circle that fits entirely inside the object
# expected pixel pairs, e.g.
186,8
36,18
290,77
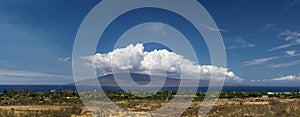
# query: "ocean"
46,88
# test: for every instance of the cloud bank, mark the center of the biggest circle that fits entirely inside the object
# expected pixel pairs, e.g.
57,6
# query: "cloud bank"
133,58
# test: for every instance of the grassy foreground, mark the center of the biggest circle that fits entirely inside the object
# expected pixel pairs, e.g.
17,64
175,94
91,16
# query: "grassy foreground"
67,103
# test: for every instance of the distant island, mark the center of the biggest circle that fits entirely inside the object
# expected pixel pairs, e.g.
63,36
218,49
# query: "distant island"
142,79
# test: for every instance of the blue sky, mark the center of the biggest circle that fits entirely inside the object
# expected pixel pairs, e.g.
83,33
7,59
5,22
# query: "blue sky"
261,37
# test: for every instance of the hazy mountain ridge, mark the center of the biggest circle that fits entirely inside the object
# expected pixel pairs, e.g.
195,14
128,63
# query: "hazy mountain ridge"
143,79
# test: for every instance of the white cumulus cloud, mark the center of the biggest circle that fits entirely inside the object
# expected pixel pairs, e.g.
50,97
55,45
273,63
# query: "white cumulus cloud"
135,59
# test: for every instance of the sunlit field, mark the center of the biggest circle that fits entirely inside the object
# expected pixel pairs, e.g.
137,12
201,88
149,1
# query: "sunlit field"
68,103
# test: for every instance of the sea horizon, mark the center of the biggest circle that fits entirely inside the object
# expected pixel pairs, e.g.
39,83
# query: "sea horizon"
46,88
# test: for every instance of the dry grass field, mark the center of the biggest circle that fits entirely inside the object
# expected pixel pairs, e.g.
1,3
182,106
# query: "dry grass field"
69,104
249,107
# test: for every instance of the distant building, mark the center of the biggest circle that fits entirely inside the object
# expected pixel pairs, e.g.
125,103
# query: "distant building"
270,93
52,91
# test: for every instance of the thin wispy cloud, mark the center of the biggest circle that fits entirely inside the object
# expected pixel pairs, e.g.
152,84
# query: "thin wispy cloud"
22,73
290,35
259,80
283,46
259,61
65,59
238,43
213,28
292,39
291,4
296,62
268,27
30,48
289,77
156,28
280,79
289,54
11,76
